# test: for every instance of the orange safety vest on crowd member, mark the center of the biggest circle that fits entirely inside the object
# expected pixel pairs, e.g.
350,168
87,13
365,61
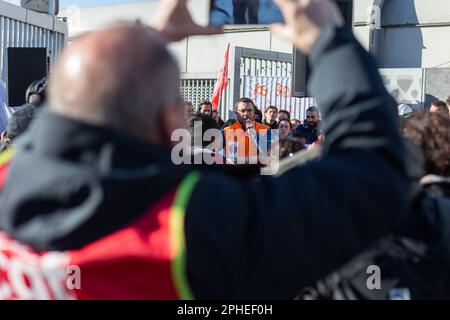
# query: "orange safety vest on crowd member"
240,145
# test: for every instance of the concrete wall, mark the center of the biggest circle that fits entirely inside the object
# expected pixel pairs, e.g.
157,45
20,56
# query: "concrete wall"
436,85
20,27
361,14
414,32
201,55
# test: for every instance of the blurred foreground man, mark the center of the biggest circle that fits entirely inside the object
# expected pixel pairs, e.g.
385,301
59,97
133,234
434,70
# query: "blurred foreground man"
92,206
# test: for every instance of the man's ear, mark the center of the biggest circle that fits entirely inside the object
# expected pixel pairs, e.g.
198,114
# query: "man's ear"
162,129
169,120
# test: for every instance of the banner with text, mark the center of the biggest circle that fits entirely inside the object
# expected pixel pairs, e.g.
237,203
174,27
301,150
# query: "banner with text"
275,91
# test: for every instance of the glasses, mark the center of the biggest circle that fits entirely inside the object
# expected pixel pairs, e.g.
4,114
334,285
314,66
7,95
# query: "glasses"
245,110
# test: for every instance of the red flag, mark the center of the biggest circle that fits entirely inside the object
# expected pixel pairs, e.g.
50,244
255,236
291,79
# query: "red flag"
222,81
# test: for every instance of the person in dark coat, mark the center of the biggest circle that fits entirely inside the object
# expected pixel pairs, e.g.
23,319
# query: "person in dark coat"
22,118
270,118
94,183
413,262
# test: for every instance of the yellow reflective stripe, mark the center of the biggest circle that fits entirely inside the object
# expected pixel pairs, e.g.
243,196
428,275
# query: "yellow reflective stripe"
177,236
6,156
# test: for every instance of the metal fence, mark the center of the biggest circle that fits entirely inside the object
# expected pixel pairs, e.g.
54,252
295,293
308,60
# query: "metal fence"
275,91
275,67
259,63
197,89
23,28
246,63
262,63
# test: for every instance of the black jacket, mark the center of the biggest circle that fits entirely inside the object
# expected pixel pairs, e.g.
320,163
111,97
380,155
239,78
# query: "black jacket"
273,126
310,134
413,262
21,120
70,184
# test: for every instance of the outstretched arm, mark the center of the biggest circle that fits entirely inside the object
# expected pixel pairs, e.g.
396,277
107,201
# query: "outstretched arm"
273,237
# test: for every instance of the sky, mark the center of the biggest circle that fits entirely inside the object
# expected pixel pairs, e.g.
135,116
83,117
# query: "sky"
85,3
91,3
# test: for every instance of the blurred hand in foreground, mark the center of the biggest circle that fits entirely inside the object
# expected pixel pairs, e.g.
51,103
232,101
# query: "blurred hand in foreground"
304,21
173,20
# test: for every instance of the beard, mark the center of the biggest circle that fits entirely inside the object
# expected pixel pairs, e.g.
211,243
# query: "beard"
312,124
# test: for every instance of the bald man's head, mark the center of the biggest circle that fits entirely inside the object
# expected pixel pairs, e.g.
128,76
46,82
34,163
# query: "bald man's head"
122,77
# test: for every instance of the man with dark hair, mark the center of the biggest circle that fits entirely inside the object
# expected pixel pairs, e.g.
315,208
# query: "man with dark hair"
439,107
413,262
270,118
206,124
215,115
205,107
258,115
199,126
94,183
243,139
311,128
284,115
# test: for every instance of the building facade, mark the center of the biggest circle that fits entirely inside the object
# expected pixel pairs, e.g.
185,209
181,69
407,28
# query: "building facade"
400,33
22,28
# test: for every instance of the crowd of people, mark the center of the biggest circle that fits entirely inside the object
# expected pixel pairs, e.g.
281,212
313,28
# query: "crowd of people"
303,134
92,183
19,122
294,135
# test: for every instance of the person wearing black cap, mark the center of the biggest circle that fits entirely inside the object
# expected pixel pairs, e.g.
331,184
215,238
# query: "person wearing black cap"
20,120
